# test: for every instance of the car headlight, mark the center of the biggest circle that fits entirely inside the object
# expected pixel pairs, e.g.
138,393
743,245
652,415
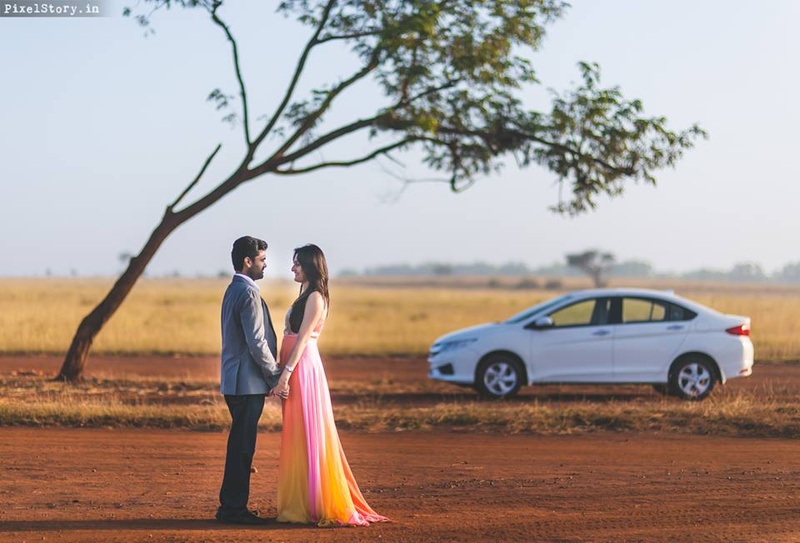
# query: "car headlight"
443,346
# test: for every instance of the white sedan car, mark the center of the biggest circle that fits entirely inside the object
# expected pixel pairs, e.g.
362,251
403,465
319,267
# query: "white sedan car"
619,335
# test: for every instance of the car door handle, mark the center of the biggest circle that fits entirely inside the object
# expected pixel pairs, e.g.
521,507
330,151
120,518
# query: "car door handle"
675,327
601,333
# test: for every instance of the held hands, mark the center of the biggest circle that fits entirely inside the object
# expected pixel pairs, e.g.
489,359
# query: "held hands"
282,388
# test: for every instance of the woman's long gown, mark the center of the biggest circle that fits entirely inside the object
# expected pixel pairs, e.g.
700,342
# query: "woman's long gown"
315,484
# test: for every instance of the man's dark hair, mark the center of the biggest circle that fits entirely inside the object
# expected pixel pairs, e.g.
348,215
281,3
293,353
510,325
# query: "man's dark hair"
244,247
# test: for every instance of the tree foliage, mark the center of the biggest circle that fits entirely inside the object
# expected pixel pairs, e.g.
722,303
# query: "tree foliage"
790,272
747,271
452,75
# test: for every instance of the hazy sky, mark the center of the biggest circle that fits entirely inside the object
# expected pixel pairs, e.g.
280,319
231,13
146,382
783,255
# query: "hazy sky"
101,127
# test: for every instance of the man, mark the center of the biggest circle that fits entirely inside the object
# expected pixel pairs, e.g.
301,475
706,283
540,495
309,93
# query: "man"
248,373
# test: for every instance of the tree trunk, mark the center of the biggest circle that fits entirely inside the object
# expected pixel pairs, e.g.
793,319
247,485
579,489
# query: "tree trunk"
90,326
75,359
597,278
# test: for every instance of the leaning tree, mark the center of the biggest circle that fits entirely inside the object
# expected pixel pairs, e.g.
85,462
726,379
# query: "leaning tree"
451,75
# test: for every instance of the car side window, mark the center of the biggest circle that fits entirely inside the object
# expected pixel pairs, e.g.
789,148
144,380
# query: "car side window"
678,313
647,310
578,314
642,310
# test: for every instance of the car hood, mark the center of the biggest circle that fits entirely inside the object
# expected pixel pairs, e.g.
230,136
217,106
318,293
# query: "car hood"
472,331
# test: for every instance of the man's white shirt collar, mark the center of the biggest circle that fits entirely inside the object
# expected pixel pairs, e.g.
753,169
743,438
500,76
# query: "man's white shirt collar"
248,279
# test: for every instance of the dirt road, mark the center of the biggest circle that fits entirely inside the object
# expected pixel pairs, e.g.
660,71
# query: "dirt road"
137,485
147,485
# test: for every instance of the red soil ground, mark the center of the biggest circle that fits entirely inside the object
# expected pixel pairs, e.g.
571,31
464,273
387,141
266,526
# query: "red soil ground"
147,485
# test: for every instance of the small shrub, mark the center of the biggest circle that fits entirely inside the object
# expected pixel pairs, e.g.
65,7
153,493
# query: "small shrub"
527,283
554,284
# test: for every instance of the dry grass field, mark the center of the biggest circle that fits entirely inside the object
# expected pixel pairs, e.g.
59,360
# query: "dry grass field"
385,323
389,394
372,317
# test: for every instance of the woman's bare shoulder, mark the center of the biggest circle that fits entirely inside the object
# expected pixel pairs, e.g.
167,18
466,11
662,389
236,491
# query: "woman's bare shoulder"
315,299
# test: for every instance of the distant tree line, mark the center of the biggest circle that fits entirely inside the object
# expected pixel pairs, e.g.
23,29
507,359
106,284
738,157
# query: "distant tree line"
745,272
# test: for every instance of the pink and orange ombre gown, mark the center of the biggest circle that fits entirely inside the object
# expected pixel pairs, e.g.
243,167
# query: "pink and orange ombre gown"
315,484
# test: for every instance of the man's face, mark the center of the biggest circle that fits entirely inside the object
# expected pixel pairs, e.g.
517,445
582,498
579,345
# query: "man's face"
254,268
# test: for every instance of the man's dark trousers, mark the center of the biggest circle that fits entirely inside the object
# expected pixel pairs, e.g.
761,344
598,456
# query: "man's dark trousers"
245,411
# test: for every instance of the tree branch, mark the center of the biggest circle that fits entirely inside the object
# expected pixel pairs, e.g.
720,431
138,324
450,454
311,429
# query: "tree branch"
313,41
488,137
329,137
171,206
367,158
345,130
239,78
314,117
432,90
348,36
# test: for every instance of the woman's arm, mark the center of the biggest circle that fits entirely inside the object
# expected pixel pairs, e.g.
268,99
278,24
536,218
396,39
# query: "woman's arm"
315,307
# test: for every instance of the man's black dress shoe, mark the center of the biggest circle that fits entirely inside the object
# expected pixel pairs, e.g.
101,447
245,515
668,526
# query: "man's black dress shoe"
245,517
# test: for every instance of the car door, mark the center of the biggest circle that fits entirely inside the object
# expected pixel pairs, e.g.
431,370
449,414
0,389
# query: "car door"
577,347
648,338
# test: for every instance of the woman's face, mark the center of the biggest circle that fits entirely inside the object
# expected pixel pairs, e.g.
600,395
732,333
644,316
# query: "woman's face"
297,270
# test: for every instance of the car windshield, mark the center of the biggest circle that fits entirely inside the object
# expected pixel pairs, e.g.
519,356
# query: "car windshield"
519,317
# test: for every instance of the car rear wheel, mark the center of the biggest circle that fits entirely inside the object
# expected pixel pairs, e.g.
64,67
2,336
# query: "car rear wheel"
692,378
499,376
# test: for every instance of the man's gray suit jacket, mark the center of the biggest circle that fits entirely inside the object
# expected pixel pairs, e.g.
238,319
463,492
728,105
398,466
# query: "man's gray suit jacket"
249,344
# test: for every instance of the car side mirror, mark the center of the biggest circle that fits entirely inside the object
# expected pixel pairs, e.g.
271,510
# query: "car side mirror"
540,324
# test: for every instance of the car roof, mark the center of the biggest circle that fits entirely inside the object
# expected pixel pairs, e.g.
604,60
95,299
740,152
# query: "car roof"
633,291
624,291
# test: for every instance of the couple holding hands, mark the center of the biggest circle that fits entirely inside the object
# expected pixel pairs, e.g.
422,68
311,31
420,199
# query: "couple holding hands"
315,484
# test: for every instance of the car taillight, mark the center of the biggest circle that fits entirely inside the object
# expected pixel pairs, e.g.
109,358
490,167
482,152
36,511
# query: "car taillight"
741,330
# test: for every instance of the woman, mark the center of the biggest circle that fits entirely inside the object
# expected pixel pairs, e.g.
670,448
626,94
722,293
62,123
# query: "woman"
315,483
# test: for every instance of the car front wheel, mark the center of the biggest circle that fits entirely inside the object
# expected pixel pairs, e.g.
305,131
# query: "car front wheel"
499,376
692,378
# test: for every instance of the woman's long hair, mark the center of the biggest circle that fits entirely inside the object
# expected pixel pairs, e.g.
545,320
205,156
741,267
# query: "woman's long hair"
315,268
